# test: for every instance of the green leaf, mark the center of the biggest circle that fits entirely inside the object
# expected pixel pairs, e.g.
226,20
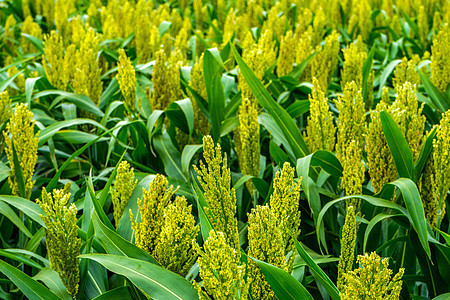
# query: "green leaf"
283,284
169,155
440,100
188,153
29,208
414,205
27,285
386,73
427,147
18,173
51,279
367,67
81,101
120,293
281,117
6,211
155,281
216,98
378,218
398,146
317,271
48,132
298,108
117,245
205,223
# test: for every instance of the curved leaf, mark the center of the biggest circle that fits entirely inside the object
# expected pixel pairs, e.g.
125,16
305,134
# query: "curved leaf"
27,285
283,284
281,117
398,146
155,281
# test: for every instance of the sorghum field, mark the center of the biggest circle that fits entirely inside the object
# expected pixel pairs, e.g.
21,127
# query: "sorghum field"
221,149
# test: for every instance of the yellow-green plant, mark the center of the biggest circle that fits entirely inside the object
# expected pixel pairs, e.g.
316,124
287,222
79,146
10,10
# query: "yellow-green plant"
5,114
167,229
408,115
379,159
325,62
9,36
122,190
435,182
197,83
175,249
372,280
348,243
285,204
151,209
354,58
440,59
350,141
406,71
61,235
265,243
319,129
222,274
32,28
286,58
247,140
215,178
166,79
59,63
20,135
126,77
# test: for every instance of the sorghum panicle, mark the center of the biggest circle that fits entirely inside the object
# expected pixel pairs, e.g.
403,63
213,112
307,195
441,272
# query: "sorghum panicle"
20,131
372,280
215,178
122,190
285,204
126,77
348,242
440,59
247,140
319,129
265,242
222,273
61,235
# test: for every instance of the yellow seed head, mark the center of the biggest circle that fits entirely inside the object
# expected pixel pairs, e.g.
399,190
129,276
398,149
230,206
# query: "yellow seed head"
324,63
247,140
222,273
379,159
406,71
177,241
351,119
126,77
32,28
9,34
286,58
320,129
151,209
87,77
440,59
197,83
166,80
284,203
372,280
422,24
122,190
20,131
61,235
265,242
354,57
5,114
348,242
408,115
215,178
441,163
